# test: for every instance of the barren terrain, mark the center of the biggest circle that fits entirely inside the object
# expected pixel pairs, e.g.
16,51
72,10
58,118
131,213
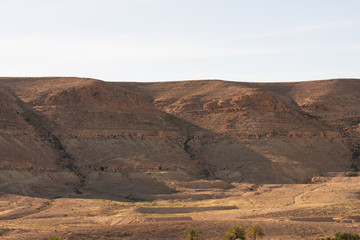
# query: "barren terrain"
285,211
88,159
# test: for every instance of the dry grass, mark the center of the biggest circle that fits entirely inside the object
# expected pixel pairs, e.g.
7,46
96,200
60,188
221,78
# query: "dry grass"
299,209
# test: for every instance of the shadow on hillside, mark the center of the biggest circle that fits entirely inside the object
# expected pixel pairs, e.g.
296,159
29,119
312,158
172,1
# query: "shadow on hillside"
222,158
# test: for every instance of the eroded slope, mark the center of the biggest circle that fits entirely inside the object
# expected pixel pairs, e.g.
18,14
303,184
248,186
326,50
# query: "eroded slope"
87,136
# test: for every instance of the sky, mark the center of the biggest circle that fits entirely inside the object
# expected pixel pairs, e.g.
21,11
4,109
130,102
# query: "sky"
165,40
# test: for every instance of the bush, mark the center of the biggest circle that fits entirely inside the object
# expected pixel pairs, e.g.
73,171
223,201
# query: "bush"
343,236
352,174
57,238
255,232
192,234
235,232
229,236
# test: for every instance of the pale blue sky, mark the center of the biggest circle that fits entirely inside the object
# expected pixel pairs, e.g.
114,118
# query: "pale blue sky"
156,40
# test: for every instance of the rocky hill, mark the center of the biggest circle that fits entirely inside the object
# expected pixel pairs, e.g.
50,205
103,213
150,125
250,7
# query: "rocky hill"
65,136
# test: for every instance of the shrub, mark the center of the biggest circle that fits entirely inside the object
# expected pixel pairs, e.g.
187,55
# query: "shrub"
192,234
235,232
255,232
229,236
344,236
352,174
57,238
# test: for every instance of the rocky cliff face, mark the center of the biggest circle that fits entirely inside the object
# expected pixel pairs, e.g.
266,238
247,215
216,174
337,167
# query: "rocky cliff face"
130,138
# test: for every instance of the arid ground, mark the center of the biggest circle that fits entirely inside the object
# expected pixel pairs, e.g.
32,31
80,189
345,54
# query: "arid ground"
284,211
87,159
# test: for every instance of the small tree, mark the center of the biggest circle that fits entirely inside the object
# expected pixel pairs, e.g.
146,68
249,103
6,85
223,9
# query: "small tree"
255,232
234,233
192,234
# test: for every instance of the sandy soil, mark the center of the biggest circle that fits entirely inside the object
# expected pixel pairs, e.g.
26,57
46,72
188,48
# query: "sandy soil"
285,211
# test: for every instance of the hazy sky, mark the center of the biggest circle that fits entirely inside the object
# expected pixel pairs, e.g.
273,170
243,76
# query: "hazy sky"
153,40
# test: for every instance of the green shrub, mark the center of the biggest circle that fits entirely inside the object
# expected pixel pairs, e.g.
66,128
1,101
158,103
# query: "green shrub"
235,232
229,236
192,234
255,232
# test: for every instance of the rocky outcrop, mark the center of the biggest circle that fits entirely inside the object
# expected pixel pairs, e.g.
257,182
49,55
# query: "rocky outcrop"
98,93
259,101
256,100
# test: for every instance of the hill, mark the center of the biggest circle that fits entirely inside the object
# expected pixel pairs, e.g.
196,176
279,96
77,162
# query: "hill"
69,136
